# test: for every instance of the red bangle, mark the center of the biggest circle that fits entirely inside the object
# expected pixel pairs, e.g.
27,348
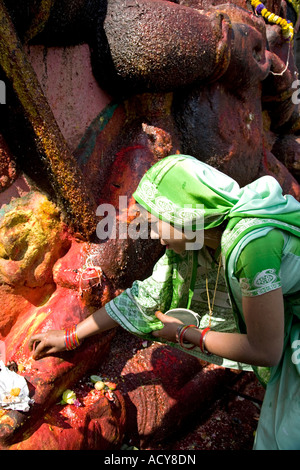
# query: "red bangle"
67,339
182,335
203,333
71,338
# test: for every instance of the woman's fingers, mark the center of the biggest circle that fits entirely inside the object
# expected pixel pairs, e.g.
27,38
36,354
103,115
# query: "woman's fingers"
40,349
168,331
166,319
157,333
159,315
34,339
47,343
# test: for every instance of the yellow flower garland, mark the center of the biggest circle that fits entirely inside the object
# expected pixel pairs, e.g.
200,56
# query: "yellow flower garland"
286,26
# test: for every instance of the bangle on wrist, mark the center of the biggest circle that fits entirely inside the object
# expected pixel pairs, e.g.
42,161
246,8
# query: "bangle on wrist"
181,336
178,331
202,340
71,338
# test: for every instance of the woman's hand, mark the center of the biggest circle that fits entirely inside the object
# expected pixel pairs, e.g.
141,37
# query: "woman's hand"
53,341
168,332
47,343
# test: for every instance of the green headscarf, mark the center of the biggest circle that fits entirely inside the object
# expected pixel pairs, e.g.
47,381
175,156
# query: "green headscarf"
181,189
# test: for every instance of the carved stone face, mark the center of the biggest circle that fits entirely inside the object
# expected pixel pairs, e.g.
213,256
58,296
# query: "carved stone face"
30,242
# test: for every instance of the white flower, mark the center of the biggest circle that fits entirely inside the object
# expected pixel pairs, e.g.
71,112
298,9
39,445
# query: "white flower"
14,392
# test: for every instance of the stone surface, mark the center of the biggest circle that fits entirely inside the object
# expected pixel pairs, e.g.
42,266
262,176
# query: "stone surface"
161,399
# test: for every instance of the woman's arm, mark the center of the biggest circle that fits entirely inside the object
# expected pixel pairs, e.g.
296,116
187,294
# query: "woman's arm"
261,346
53,341
128,310
99,321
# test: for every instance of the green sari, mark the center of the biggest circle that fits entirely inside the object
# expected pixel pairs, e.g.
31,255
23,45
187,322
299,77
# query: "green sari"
190,195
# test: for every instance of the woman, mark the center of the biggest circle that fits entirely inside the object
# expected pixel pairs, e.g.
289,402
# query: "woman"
258,230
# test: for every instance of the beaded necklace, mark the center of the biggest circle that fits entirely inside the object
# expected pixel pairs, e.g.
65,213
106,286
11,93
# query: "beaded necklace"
286,25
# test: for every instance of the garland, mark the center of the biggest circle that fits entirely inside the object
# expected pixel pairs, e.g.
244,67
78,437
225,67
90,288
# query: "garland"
286,25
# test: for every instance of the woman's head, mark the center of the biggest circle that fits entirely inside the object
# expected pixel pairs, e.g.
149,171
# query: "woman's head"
191,196
183,196
171,237
180,240
187,193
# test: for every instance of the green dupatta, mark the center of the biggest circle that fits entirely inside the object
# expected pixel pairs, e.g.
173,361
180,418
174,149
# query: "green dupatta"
188,193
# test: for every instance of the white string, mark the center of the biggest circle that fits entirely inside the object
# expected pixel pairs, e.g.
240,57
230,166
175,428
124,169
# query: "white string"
286,66
88,272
